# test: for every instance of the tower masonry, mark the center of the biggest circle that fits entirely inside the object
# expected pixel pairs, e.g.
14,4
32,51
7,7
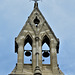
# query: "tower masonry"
36,32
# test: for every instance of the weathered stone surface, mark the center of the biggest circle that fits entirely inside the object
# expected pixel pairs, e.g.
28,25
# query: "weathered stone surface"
36,33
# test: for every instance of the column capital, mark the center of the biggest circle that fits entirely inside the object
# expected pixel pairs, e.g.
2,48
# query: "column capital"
36,38
37,53
51,40
20,43
52,43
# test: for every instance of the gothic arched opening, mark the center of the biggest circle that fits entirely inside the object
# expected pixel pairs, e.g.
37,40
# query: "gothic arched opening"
46,50
36,21
28,50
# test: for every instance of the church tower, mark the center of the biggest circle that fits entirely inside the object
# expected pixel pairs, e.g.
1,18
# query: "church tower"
36,32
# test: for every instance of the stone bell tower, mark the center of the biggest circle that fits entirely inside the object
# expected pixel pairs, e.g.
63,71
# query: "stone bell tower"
36,31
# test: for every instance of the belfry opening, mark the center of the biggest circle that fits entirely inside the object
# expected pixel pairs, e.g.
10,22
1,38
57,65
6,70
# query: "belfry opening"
28,50
45,50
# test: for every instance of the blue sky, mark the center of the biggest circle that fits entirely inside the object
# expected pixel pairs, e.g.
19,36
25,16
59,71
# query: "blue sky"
60,14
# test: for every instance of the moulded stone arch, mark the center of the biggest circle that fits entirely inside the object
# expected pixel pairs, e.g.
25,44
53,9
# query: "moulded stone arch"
43,37
45,34
22,38
28,35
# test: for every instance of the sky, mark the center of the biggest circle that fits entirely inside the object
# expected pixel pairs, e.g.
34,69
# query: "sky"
60,15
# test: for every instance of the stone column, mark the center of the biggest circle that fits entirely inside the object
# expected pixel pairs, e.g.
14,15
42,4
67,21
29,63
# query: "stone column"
53,56
37,68
40,54
33,55
20,62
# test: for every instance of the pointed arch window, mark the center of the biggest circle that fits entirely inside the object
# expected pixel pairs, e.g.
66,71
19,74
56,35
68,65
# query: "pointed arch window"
28,50
46,50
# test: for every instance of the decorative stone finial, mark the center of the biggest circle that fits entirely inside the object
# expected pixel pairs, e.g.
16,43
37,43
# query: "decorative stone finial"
35,5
